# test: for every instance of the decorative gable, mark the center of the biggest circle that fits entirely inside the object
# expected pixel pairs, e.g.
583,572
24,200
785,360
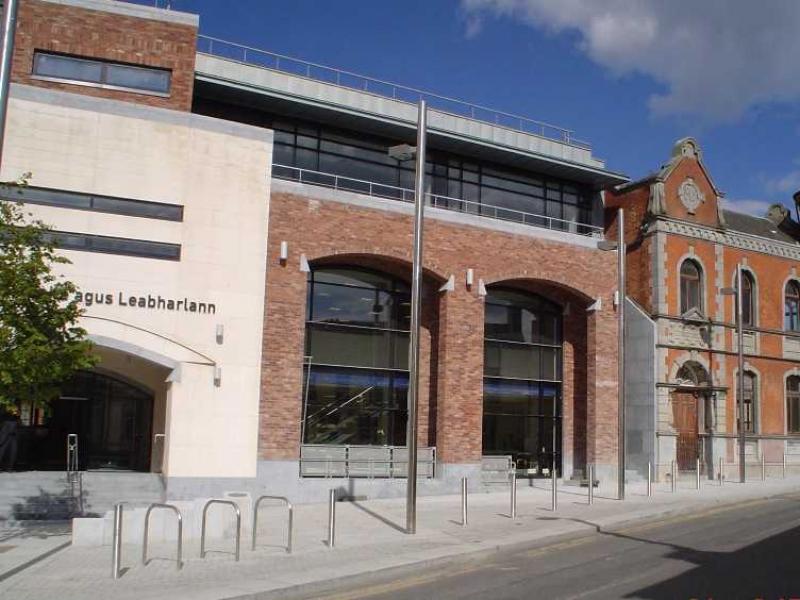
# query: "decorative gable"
683,189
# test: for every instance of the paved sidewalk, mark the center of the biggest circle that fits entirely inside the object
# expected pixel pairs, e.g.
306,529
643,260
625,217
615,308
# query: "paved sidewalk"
369,538
26,542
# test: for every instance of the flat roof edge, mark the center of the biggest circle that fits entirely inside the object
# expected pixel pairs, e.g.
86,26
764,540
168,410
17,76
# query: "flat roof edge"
609,177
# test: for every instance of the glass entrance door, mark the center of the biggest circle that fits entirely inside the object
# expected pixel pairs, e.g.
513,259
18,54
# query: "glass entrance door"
111,417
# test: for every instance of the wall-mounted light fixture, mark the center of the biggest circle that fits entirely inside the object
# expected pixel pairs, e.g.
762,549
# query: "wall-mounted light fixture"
449,285
470,277
284,252
217,376
220,333
595,306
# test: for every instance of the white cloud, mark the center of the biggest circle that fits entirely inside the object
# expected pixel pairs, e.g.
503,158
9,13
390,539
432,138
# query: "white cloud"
752,207
716,58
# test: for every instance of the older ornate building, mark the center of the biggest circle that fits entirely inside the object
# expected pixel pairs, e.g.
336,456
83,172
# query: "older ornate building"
683,249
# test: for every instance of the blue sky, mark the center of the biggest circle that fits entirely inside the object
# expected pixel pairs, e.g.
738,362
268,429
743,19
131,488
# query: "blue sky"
630,76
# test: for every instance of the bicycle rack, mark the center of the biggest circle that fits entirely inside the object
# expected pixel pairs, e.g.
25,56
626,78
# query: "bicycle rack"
255,520
147,527
238,525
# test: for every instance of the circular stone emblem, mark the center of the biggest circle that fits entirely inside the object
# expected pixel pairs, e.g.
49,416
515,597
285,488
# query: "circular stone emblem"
690,195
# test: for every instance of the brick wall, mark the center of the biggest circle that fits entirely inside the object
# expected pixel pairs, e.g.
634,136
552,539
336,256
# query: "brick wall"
451,398
110,36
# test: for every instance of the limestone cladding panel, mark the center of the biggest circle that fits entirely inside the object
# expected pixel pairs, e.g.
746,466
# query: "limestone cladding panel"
108,36
217,173
451,390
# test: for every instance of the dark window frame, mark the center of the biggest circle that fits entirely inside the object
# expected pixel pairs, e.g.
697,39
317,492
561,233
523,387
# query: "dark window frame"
106,67
95,243
90,202
456,183
791,306
750,397
691,286
334,419
749,297
793,404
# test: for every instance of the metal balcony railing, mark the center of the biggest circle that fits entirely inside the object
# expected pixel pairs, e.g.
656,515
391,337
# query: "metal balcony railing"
382,190
452,106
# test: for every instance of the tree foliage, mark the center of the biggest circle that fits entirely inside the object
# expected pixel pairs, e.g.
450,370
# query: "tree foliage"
41,345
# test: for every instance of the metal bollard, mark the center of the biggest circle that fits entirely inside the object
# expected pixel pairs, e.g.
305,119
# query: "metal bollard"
590,470
763,467
555,490
673,476
463,501
784,465
513,510
721,471
116,543
649,479
697,474
331,518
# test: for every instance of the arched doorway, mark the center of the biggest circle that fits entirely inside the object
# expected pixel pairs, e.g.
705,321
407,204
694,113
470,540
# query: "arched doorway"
111,416
522,390
688,400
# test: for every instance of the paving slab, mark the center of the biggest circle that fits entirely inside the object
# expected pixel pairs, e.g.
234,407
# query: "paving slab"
369,539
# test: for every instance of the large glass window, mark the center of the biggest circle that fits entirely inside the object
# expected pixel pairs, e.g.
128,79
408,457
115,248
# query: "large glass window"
87,71
453,182
791,319
750,400
92,202
748,299
793,404
522,380
691,286
357,348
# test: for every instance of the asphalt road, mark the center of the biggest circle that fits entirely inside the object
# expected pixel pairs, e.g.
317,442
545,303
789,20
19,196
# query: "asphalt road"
750,551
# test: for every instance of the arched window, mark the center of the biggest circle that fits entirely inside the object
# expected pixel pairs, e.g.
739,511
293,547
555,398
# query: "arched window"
522,379
356,358
691,286
793,404
748,300
750,400
791,312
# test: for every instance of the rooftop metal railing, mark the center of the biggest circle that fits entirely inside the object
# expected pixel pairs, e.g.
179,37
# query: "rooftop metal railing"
382,190
402,93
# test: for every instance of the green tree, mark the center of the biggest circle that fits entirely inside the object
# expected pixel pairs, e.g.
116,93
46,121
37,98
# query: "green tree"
41,345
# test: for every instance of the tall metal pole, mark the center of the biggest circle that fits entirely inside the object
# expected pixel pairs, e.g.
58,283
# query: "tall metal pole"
416,301
9,27
621,251
740,378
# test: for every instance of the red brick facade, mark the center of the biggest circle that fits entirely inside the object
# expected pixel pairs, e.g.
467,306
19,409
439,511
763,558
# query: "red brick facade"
110,36
660,238
451,397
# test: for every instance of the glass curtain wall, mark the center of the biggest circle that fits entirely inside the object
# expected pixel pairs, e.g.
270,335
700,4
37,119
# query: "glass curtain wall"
522,380
457,184
356,349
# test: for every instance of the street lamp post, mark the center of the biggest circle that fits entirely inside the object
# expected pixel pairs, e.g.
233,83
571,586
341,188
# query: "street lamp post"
404,152
737,294
9,27
621,292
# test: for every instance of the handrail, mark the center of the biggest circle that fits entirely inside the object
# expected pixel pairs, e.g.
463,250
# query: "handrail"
386,89
147,527
203,526
255,520
392,192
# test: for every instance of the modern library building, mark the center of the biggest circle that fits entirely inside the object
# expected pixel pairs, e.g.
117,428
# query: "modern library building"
242,241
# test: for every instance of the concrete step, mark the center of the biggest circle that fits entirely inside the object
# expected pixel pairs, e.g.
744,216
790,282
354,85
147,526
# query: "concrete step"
47,495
